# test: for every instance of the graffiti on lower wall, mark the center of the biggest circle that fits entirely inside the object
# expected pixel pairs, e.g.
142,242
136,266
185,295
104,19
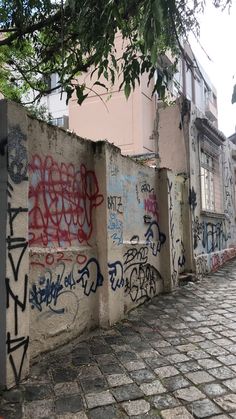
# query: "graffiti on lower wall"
62,199
206,263
135,273
212,236
55,282
208,235
202,266
138,277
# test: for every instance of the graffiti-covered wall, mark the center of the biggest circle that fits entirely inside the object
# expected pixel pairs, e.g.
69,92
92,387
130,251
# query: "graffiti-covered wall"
213,231
90,235
197,151
65,197
135,236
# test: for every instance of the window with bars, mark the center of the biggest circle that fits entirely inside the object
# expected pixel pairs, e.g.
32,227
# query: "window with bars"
208,170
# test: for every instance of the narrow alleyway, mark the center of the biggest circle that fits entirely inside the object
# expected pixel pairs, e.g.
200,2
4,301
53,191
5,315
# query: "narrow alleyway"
174,357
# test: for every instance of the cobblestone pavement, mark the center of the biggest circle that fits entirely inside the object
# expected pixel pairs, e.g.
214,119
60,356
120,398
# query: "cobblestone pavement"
173,357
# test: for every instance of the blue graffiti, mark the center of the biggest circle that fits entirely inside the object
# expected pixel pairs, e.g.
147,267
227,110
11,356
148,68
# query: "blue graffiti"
154,238
91,277
47,293
116,227
116,277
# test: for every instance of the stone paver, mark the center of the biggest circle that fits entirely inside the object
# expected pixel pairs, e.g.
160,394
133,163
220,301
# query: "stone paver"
99,399
199,377
172,358
176,413
136,407
227,402
214,389
189,394
118,380
203,408
69,404
155,387
165,372
164,401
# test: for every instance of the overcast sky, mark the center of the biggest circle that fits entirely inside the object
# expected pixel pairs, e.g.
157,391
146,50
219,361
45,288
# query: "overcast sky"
218,37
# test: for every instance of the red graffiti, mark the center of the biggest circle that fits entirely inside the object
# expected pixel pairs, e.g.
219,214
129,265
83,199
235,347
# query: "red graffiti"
151,206
215,262
50,259
61,201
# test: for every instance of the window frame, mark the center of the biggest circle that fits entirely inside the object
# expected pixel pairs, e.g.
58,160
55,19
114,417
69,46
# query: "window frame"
207,176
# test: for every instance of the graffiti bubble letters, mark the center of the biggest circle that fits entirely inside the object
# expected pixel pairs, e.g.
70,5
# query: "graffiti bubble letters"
114,203
141,282
62,200
154,238
90,277
116,275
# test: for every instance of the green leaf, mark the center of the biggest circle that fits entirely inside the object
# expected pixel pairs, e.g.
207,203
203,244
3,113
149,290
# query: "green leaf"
127,90
100,84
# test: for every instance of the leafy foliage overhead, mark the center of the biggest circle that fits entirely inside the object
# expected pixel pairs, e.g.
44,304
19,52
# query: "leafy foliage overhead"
41,37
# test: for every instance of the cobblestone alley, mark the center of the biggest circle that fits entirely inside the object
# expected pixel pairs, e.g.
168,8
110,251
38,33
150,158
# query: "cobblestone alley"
174,357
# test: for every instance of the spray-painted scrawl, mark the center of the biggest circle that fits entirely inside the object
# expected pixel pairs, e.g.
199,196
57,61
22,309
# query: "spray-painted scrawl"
62,200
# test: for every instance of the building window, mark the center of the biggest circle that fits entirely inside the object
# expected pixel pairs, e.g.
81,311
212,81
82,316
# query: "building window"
207,181
62,122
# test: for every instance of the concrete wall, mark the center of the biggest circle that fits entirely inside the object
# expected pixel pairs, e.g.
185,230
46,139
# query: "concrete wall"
87,235
99,231
65,199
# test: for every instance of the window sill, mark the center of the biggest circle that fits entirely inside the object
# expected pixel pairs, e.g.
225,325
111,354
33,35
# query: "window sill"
213,214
